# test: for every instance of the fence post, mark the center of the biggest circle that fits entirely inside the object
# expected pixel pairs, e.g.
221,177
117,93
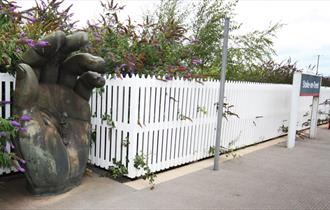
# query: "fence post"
294,109
133,126
314,117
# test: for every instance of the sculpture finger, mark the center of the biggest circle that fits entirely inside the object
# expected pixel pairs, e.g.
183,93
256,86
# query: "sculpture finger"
51,44
87,82
77,65
32,58
44,56
26,90
75,41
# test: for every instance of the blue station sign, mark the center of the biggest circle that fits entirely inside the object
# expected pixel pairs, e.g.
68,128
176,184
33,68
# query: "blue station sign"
310,85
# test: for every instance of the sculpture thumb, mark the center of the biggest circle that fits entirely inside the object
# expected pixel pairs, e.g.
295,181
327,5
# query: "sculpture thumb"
27,85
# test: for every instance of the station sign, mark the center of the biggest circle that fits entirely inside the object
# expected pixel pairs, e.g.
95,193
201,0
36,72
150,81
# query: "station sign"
310,85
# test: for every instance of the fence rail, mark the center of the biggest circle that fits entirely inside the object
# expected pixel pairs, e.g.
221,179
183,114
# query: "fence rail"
172,123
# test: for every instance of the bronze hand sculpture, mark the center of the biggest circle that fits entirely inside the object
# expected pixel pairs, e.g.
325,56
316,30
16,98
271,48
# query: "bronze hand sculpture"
53,87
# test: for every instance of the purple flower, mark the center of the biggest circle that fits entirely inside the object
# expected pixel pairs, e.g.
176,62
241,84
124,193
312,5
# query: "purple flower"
168,77
4,102
25,118
32,19
23,130
18,50
22,34
97,36
15,123
22,161
43,4
20,169
29,42
12,8
122,66
3,134
17,165
7,147
42,43
196,61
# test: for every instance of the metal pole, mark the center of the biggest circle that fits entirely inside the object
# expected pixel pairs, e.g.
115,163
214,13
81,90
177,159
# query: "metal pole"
221,94
317,65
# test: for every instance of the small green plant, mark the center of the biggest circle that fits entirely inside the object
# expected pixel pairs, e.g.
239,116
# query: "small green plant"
93,137
224,150
283,129
202,109
118,170
125,142
140,163
9,130
306,123
183,117
99,91
108,119
226,110
229,150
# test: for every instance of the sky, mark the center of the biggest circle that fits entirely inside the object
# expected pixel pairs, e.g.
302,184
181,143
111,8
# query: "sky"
304,36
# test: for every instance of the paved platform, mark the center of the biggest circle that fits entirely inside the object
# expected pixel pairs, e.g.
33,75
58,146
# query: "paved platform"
271,178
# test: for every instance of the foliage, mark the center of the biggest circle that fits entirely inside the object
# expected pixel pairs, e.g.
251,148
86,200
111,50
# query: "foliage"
93,137
227,110
326,81
153,47
19,29
9,129
202,109
10,48
165,45
269,72
117,170
140,163
108,119
177,39
283,129
230,150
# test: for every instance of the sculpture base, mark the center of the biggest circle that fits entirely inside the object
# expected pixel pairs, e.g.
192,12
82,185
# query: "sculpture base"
54,190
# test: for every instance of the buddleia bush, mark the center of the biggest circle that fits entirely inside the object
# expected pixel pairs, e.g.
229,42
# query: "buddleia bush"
20,29
155,46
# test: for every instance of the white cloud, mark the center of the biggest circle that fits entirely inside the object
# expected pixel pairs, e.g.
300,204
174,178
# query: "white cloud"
306,32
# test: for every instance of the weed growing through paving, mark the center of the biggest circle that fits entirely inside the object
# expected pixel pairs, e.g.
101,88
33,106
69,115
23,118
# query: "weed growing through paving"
118,170
140,163
223,150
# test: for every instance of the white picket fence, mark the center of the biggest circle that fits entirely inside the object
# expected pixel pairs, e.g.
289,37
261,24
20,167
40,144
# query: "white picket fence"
172,123
163,121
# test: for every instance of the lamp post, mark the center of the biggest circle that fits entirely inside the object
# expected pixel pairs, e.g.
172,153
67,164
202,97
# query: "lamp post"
317,64
221,94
